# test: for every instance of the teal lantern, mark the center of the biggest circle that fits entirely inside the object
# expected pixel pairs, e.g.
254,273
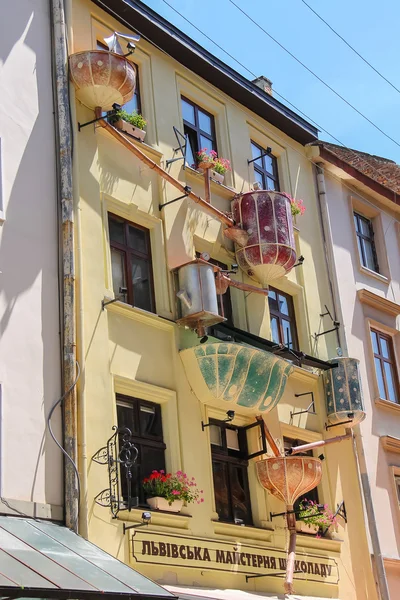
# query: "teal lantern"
343,393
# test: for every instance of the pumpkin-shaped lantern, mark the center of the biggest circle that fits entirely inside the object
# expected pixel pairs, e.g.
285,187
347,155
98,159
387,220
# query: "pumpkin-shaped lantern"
102,78
263,235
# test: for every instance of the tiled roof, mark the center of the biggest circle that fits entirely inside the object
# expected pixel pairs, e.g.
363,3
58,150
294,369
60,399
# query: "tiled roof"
382,170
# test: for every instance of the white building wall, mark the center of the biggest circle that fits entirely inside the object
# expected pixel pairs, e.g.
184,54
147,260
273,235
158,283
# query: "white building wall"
31,465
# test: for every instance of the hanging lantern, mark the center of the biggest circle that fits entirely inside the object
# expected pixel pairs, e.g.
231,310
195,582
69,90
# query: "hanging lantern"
343,393
264,237
102,78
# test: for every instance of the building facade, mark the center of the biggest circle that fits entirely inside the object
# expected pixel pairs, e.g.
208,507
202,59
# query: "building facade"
30,371
141,370
361,217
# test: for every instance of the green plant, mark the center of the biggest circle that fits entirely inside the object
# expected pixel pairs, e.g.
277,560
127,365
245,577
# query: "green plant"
172,487
296,206
221,165
134,118
312,513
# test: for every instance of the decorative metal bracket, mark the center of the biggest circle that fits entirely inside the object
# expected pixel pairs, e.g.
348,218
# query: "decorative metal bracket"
300,261
341,511
267,153
283,348
294,512
188,191
308,409
110,113
351,417
335,327
181,146
120,455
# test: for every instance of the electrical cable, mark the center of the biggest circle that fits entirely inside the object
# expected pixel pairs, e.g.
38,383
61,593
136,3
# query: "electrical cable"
59,401
364,160
314,74
350,46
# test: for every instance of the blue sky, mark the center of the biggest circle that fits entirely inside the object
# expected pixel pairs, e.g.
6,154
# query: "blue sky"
371,27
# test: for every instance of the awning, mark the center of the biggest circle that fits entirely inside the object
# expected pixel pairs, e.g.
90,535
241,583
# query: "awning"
40,559
186,593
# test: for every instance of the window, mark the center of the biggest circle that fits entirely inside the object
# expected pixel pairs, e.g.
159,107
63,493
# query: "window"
265,168
365,242
385,367
283,323
229,464
224,300
312,494
143,418
131,263
134,105
397,484
199,127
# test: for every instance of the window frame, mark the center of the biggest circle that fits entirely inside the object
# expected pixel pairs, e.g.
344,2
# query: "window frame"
127,252
196,127
262,170
230,457
362,239
291,318
139,439
391,361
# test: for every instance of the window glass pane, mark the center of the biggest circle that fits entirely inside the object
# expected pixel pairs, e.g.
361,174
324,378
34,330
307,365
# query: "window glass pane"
141,283
287,334
273,301
150,459
356,222
205,143
365,227
374,339
137,239
397,480
283,305
259,177
232,439
270,184
390,382
126,416
150,420
268,164
215,435
221,490
239,496
256,152
204,122
118,273
369,256
117,233
188,112
275,330
384,347
132,105
360,251
379,376
191,146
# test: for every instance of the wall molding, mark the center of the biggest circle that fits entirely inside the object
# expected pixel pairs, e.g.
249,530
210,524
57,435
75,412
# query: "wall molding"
378,302
390,443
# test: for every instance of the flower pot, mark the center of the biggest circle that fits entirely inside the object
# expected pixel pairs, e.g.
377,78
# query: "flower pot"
158,503
204,165
126,127
217,176
302,527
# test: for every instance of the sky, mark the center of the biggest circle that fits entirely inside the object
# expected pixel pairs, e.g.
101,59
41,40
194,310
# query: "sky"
370,27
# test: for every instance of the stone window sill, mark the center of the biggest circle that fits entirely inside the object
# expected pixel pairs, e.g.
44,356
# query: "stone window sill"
216,187
159,518
386,404
244,532
375,275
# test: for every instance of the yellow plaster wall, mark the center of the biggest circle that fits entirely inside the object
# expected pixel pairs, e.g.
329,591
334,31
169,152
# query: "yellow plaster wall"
129,351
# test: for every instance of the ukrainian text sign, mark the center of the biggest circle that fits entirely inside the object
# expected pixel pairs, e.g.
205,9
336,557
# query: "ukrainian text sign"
182,551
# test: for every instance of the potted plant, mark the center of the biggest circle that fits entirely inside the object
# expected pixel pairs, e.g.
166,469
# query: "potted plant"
131,123
314,518
219,168
205,158
167,491
297,207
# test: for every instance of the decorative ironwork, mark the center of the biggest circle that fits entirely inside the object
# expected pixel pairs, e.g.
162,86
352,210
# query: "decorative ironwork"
183,142
120,455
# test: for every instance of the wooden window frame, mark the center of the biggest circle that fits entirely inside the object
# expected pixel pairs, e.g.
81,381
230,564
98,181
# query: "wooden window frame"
196,127
391,361
127,251
263,171
138,438
238,458
370,239
291,319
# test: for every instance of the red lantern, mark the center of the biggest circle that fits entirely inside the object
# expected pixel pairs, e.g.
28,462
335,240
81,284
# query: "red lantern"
267,250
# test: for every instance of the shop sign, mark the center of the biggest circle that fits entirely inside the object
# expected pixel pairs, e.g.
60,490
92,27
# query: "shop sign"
211,555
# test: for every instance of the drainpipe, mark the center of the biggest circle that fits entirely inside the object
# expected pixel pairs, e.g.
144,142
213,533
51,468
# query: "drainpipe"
65,198
358,447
